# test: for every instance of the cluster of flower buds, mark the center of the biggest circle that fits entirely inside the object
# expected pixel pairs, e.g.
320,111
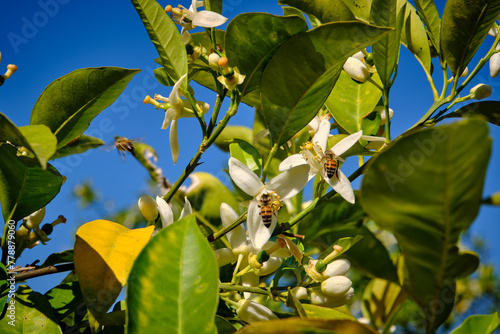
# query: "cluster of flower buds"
358,67
10,70
335,289
30,234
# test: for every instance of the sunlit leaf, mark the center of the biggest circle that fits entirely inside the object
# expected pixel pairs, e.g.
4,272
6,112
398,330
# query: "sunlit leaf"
414,37
163,33
104,253
232,133
292,11
350,101
442,170
32,314
428,12
300,325
82,144
248,155
382,298
253,38
70,103
325,10
464,26
64,299
480,323
38,139
24,186
326,313
291,94
173,286
360,8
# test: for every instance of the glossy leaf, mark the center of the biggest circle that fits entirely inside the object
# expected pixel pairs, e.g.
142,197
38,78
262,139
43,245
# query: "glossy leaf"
214,5
386,51
253,38
82,144
481,323
414,37
442,170
296,325
326,313
24,186
292,11
292,95
33,314
232,133
464,26
360,8
104,253
350,101
173,286
356,149
38,139
382,298
248,155
163,33
70,103
428,12
206,194
489,110
325,10
65,299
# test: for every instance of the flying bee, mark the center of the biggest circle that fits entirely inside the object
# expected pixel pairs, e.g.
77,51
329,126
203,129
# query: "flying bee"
123,145
331,164
269,205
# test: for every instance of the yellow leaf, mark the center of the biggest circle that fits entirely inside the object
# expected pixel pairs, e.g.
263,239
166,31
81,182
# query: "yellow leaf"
104,254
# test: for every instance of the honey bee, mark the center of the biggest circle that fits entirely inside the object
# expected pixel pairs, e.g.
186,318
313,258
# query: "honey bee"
123,145
269,205
331,164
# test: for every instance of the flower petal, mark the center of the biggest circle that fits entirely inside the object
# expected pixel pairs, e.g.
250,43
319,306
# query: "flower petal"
174,94
169,117
174,143
321,136
259,234
290,182
237,237
250,280
342,146
187,209
292,161
208,19
342,186
166,214
244,178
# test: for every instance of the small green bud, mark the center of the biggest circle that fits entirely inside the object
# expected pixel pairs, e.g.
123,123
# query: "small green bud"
262,256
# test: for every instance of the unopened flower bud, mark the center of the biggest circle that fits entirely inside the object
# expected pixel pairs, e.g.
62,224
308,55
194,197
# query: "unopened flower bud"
300,292
319,298
148,207
337,267
252,312
213,61
22,233
269,267
381,111
495,63
356,69
359,55
336,286
481,91
465,72
34,220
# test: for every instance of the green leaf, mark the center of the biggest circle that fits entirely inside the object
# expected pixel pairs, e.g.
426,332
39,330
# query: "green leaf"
33,314
356,149
360,8
231,134
320,312
292,11
253,38
464,26
65,299
350,101
381,299
489,110
428,12
386,50
415,39
298,79
248,155
325,10
176,275
214,5
163,33
24,186
57,258
224,326
38,139
206,194
4,285
442,170
82,144
70,103
481,323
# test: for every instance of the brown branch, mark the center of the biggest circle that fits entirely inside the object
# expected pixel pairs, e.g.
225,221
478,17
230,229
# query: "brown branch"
44,271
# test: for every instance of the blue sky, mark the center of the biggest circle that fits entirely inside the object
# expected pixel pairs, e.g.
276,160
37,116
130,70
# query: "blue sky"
48,39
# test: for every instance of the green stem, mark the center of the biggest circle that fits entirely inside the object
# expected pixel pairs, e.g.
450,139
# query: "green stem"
387,119
198,113
219,234
270,156
235,102
215,113
271,292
